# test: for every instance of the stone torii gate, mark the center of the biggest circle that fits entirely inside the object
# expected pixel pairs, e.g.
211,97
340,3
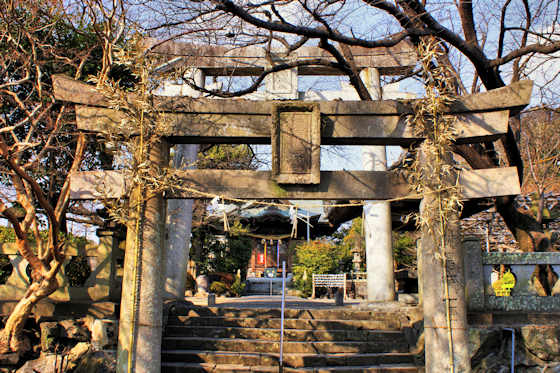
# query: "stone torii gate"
301,128
247,61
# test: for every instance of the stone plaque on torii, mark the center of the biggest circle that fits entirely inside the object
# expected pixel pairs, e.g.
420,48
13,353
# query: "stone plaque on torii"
295,174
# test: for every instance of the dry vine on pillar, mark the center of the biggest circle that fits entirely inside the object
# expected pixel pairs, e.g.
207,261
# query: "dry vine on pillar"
435,178
143,157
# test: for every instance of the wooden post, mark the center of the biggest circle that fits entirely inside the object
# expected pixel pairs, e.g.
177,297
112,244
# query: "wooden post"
446,349
140,325
265,255
420,269
344,287
313,286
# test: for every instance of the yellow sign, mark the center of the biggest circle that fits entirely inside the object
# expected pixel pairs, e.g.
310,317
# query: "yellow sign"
502,286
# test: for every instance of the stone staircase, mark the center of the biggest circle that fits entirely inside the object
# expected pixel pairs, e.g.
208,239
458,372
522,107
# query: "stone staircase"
318,340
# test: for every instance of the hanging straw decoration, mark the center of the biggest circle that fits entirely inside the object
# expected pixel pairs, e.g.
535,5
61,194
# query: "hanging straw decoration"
226,222
363,220
220,207
293,218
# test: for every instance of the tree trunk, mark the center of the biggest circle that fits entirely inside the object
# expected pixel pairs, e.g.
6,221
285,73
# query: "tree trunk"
11,336
527,231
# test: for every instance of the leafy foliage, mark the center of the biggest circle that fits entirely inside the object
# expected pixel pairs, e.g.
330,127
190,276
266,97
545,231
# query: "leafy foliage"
50,36
238,287
404,249
228,255
6,268
319,257
351,238
230,157
218,288
77,271
7,235
190,283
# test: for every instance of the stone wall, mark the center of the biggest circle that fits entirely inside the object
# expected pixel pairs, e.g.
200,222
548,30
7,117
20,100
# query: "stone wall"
536,349
102,285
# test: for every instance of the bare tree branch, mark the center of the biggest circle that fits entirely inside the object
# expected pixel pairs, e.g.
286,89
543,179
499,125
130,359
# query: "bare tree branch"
467,21
531,48
230,7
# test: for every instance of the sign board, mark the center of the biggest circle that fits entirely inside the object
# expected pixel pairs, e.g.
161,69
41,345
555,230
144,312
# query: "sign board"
296,143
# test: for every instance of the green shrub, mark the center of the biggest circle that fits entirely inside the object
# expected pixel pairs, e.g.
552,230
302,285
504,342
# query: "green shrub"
237,288
7,235
218,288
319,257
218,256
404,250
77,271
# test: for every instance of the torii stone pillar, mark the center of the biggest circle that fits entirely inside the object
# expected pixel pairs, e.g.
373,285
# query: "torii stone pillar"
377,216
179,214
140,323
179,223
282,85
444,307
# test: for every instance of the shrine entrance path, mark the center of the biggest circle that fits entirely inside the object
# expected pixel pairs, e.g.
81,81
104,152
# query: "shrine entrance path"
292,302
270,301
243,335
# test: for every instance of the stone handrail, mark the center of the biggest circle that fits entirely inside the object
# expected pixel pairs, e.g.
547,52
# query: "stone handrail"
481,296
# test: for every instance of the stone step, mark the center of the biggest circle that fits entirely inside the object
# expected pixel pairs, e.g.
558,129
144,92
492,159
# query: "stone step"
257,345
292,360
289,334
274,323
239,368
402,314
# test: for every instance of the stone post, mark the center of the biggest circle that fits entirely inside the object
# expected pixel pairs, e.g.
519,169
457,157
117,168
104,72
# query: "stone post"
443,346
283,84
107,248
377,216
179,217
474,275
140,325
